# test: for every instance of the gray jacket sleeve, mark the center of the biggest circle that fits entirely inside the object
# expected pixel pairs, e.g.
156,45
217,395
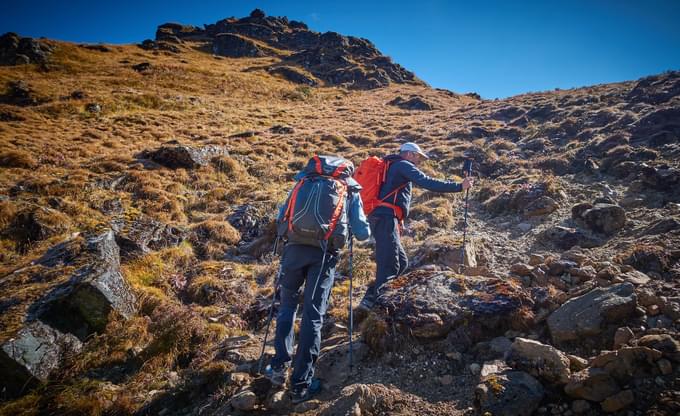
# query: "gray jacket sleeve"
357,217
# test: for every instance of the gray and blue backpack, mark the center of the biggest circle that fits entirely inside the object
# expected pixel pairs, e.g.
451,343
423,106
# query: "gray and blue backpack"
316,212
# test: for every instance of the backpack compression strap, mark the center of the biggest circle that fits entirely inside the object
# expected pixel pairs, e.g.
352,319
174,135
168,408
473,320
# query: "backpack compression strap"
338,209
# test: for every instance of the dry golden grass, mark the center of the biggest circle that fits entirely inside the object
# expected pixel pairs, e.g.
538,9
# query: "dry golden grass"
17,159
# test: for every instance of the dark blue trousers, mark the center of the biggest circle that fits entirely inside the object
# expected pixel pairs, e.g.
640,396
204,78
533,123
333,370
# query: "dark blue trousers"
306,265
390,257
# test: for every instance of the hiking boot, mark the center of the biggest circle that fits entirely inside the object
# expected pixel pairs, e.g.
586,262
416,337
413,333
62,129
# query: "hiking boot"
276,376
366,305
304,394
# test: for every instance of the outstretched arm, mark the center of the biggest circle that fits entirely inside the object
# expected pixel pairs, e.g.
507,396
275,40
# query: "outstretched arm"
421,180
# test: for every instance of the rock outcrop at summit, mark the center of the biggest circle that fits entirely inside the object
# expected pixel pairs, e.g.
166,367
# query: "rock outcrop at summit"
17,50
335,59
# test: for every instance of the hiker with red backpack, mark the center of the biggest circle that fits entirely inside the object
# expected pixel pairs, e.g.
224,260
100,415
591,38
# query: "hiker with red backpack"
386,195
321,214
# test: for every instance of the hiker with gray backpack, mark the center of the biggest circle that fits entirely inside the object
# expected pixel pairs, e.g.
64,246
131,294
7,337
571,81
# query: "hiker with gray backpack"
322,213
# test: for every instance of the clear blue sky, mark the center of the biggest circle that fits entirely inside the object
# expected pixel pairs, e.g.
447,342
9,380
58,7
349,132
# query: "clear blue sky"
495,48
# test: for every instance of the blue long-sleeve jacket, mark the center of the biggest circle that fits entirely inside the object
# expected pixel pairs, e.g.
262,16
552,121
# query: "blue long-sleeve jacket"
404,173
354,206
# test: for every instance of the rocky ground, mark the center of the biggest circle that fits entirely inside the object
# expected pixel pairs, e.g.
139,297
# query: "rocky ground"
138,184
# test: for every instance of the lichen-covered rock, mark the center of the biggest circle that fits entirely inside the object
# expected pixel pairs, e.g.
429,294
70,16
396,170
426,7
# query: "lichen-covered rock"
84,304
540,360
510,393
32,355
594,384
187,157
586,315
605,218
145,234
430,304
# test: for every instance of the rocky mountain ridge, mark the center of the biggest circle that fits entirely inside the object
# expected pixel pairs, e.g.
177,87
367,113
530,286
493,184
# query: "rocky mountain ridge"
307,57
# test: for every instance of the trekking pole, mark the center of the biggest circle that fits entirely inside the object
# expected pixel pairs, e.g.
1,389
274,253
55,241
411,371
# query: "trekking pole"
271,307
467,171
351,311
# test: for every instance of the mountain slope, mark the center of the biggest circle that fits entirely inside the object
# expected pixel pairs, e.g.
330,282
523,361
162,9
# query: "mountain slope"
184,155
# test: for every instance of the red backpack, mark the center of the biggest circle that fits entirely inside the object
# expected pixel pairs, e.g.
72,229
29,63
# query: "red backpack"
371,176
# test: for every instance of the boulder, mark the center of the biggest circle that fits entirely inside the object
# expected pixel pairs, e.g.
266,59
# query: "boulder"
236,46
332,366
628,362
145,234
656,89
250,221
447,253
430,304
281,129
540,360
413,103
566,238
594,384
578,210
580,406
37,224
635,277
21,94
83,305
363,399
665,179
15,50
294,75
541,206
605,218
511,393
669,346
622,336
142,66
587,315
244,400
187,157
618,401
31,356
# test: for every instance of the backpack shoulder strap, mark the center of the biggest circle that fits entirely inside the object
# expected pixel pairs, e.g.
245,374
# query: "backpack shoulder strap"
342,198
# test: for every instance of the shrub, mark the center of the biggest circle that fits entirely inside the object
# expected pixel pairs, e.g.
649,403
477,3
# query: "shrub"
217,231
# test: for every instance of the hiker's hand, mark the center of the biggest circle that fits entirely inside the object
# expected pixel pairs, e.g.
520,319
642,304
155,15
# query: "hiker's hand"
468,182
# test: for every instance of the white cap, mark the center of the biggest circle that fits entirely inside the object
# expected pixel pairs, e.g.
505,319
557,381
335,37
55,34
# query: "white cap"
412,147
